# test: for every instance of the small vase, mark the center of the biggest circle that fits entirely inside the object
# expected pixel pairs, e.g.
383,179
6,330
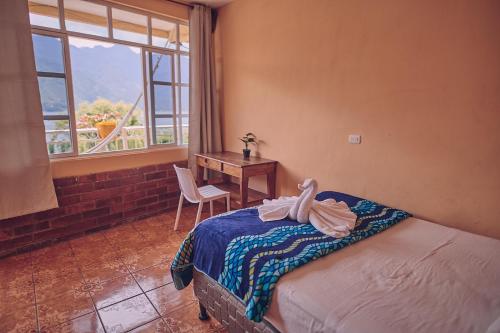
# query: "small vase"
246,153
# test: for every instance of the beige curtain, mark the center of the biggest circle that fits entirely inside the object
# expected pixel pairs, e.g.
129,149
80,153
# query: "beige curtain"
25,179
204,119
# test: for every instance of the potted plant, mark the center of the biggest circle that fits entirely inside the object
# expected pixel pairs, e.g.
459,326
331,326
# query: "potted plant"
247,139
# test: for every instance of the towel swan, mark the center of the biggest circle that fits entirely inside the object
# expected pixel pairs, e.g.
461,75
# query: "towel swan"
329,216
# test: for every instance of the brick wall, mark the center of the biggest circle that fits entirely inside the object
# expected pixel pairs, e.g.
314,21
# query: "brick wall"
91,203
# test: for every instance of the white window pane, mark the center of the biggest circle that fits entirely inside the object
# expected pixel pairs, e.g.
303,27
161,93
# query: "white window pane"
164,131
86,17
58,136
163,101
48,54
184,69
129,26
162,67
163,33
53,95
185,130
107,80
184,98
44,13
184,37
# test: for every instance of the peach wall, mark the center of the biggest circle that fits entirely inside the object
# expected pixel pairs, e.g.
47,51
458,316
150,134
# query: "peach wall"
163,7
419,80
84,165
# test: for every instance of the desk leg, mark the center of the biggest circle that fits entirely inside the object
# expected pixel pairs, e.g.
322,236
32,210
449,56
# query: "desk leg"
271,185
199,175
244,191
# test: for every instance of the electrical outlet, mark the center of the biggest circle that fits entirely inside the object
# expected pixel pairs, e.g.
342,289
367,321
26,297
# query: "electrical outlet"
354,139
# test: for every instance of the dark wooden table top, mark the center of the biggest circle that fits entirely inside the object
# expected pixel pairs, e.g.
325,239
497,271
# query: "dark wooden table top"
236,159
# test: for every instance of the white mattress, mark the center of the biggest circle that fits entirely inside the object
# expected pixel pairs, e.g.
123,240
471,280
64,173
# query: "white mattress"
414,277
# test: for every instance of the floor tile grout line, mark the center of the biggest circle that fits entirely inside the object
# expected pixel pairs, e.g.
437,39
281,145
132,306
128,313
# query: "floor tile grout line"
34,292
98,314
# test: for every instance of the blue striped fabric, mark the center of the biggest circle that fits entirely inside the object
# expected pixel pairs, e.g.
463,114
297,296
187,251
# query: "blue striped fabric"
248,256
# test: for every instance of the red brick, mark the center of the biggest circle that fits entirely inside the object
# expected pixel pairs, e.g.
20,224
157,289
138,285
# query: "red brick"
145,186
155,175
145,169
119,196
166,196
132,180
166,181
66,220
67,181
173,188
15,242
107,193
158,190
68,200
134,196
110,218
146,201
108,184
78,188
24,229
80,207
165,166
157,207
42,226
135,212
120,173
96,212
108,202
51,213
87,178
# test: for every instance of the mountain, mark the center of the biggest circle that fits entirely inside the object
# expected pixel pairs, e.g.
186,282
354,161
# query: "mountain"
113,73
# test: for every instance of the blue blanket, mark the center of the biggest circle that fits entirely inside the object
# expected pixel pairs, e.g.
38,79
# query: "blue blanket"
248,256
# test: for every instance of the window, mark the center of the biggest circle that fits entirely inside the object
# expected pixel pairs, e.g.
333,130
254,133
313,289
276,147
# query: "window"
111,78
50,66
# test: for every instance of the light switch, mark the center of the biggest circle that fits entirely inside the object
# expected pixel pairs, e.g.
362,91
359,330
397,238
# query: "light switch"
355,138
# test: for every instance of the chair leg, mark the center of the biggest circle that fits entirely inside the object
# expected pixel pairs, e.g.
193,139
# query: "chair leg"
228,202
211,208
198,214
179,209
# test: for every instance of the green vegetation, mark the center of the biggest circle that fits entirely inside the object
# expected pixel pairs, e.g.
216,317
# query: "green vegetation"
89,114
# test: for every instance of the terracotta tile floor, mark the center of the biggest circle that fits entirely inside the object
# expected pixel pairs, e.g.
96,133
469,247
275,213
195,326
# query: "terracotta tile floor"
113,281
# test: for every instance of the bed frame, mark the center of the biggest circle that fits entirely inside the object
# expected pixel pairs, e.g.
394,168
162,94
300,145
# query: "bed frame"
225,307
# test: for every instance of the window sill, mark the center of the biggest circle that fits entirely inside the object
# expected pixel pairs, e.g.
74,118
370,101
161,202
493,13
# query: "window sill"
114,154
83,165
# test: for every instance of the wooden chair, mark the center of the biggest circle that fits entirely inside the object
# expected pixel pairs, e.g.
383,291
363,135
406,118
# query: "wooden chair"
198,195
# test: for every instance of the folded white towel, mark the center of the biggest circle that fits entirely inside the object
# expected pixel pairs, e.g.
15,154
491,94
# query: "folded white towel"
329,216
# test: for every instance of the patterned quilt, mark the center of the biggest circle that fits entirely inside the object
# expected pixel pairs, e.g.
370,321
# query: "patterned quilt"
248,256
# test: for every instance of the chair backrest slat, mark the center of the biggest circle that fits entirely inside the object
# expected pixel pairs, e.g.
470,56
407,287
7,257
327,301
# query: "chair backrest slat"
187,184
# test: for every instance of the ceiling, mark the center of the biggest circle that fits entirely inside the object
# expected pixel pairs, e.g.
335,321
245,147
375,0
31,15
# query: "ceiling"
211,3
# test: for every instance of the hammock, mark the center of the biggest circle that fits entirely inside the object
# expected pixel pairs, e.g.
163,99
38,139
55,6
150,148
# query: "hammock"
111,136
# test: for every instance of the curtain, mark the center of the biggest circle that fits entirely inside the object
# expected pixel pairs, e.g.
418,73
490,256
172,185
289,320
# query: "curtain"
204,119
25,178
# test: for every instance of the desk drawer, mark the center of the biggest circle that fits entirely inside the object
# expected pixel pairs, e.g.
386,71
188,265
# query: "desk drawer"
231,170
214,165
209,163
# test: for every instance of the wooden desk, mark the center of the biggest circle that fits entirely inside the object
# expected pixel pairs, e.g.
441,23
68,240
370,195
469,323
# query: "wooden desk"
233,164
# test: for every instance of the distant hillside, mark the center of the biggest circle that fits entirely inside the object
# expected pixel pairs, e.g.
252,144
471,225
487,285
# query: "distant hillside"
113,73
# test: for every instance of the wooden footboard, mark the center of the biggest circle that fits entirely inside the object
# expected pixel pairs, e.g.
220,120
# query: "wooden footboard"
225,307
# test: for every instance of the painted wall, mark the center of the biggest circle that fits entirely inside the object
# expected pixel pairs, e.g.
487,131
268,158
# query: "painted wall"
163,7
85,165
419,80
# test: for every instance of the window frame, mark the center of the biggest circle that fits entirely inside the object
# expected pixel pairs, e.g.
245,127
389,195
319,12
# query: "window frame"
64,35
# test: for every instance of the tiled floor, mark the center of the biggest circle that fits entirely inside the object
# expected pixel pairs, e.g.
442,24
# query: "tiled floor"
114,281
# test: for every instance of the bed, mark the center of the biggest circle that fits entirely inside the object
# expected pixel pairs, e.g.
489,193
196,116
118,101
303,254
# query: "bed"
411,276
